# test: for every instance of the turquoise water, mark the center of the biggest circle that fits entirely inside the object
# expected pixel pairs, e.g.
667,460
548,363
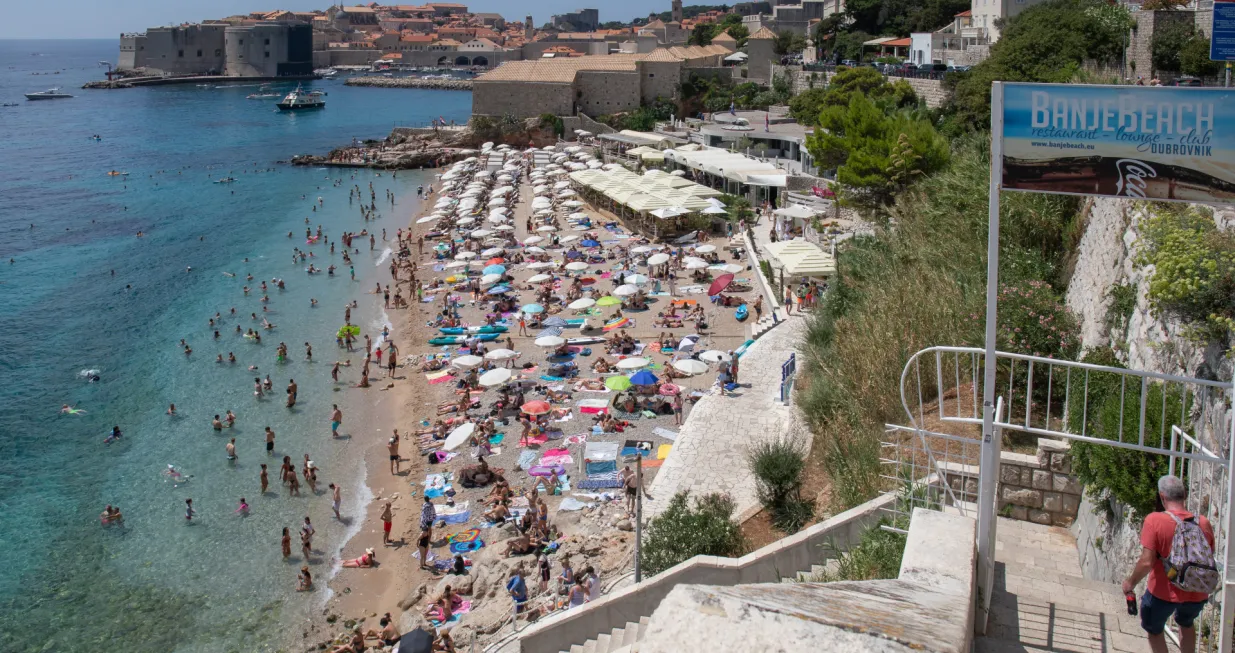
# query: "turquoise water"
159,584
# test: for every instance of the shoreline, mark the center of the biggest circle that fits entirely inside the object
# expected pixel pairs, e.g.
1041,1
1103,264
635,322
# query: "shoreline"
411,82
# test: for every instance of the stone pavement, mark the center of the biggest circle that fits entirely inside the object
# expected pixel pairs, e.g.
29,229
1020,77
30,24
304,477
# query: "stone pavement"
710,452
1041,602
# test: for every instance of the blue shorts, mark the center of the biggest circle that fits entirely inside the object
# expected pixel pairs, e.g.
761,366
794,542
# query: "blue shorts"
1155,612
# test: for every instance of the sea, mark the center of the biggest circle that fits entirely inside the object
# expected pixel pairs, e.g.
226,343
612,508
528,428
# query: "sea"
82,295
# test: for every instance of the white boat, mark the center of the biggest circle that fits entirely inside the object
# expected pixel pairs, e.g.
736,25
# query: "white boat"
299,99
49,94
326,72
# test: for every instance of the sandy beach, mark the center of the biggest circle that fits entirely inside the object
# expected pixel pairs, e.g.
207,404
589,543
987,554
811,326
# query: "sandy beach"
595,531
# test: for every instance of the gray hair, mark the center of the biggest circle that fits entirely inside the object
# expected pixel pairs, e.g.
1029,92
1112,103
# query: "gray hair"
1172,489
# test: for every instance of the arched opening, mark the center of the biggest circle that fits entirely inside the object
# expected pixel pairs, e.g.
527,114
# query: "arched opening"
480,61
443,61
462,61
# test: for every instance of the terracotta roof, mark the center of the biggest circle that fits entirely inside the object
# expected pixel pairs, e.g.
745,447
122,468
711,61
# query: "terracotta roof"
392,55
558,70
580,36
451,5
725,37
448,42
967,12
698,51
661,54
417,38
358,10
898,43
656,24
763,33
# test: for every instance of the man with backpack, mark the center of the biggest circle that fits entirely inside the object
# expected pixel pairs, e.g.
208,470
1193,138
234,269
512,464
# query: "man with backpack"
1177,555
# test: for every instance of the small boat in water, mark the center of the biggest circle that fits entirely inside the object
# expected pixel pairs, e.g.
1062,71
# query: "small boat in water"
225,180
49,94
299,99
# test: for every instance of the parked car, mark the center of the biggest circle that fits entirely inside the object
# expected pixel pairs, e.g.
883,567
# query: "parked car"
1188,80
929,68
849,62
959,69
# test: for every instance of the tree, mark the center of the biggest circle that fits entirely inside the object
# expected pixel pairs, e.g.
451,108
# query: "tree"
875,154
805,107
789,43
1168,41
1163,5
703,34
1045,43
682,532
1194,58
868,82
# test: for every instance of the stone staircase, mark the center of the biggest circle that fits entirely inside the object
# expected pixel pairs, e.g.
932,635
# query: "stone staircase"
762,326
1041,602
618,640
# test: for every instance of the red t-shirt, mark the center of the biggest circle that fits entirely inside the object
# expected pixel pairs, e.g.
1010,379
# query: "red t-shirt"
1156,535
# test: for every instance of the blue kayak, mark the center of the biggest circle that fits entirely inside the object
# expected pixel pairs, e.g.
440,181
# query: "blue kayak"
456,331
459,340
741,313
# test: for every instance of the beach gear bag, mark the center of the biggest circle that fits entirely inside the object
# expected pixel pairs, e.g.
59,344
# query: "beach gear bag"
1190,566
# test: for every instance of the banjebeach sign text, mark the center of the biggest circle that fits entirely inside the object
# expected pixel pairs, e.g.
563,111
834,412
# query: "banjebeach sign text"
1159,143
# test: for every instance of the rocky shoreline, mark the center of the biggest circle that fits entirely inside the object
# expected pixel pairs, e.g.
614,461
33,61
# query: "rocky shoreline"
411,82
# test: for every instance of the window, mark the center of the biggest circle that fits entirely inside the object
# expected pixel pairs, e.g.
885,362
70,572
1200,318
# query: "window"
267,54
267,41
199,53
218,52
650,75
180,53
241,41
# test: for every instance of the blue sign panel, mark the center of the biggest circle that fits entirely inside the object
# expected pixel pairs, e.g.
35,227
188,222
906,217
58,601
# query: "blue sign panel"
1142,142
1222,32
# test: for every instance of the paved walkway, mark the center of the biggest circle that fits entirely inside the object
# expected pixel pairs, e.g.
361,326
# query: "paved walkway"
710,452
1041,602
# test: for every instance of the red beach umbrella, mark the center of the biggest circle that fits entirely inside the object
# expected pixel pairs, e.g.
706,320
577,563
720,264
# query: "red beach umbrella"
720,284
495,260
536,407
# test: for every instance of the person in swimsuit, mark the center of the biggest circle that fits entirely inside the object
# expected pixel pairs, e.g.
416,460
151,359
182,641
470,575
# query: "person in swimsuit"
393,448
387,518
365,561
231,450
265,478
335,500
188,510
269,441
389,635
244,508
306,580
216,423
422,545
115,435
336,418
286,543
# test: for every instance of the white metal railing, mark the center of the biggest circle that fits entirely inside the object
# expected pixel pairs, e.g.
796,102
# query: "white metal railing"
1182,418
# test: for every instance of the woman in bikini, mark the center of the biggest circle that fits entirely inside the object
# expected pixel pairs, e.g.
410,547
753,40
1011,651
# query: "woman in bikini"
365,561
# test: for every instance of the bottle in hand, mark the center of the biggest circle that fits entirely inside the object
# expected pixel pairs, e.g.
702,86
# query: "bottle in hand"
1131,597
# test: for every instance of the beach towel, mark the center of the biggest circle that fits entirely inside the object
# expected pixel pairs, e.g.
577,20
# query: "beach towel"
577,439
435,615
556,457
546,377
464,536
665,433
436,485
466,547
533,439
456,514
439,377
598,481
546,470
647,463
527,459
496,438
632,448
662,452
566,417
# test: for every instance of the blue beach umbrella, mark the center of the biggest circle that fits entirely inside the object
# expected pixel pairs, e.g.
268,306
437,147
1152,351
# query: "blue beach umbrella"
532,308
589,243
495,269
499,290
555,321
551,331
643,377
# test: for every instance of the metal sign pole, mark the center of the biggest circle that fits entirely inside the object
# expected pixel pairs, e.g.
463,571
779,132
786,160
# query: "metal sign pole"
1227,613
638,516
988,471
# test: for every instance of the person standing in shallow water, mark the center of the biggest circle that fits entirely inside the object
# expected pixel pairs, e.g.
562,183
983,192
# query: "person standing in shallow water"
286,543
336,418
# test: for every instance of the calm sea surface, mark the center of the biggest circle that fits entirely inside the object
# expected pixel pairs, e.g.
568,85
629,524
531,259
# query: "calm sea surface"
159,583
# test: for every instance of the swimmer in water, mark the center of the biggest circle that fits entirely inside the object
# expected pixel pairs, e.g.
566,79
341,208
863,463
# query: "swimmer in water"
231,451
171,409
231,419
67,409
115,435
188,510
244,508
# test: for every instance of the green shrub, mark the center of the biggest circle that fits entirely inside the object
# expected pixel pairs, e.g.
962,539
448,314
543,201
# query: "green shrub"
1126,475
1123,303
876,556
1032,320
777,466
682,532
1194,270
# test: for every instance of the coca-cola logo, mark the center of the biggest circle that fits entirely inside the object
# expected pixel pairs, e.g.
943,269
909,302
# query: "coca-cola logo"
1132,176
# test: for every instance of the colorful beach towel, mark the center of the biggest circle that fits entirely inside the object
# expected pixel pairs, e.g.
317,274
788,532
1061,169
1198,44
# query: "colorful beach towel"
456,514
439,377
436,485
533,439
464,536
527,459
632,448
435,615
577,439
466,547
662,452
556,457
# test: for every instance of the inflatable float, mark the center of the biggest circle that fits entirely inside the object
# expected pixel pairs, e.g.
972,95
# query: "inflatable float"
459,340
741,313
455,331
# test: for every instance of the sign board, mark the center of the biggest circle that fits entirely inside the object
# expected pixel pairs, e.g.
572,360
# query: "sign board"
1142,142
1222,31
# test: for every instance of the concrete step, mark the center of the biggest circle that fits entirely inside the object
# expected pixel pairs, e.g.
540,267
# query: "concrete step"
602,643
630,634
590,646
615,638
577,648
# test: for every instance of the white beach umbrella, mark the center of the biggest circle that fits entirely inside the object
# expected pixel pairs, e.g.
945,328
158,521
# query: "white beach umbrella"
492,251
481,233
463,222
625,290
541,265
568,239
534,250
464,256
504,227
546,228
490,278
658,259
457,264
532,240
550,341
690,366
428,218
572,203
641,249
577,266
705,249
694,264
495,377
459,436
466,362
636,279
539,278
578,216
715,356
501,354
633,363
582,303
561,185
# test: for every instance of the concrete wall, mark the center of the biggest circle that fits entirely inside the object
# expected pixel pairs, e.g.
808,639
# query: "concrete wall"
255,50
659,79
601,92
1038,488
762,57
129,51
930,90
522,99
1140,50
769,564
189,50
355,57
